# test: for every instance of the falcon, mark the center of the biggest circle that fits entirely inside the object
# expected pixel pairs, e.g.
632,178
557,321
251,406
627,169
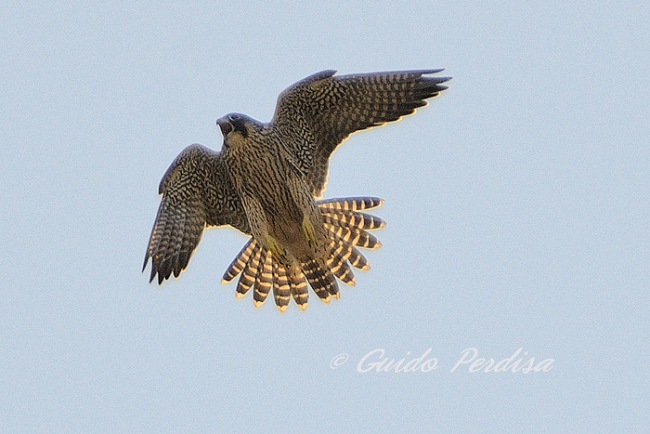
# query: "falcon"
267,178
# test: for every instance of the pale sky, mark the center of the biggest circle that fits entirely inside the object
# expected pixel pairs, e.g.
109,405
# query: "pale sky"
516,206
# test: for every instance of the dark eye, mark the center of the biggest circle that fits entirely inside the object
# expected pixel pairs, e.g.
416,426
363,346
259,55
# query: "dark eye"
234,117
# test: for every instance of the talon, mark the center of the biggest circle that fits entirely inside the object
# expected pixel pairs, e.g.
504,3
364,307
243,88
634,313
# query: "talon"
308,230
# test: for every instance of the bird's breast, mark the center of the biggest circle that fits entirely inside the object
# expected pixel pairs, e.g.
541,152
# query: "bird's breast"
261,171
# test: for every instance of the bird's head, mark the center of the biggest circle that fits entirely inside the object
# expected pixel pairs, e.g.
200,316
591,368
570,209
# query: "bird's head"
233,124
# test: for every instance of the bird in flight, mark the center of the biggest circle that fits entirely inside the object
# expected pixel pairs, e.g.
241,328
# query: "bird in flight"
267,178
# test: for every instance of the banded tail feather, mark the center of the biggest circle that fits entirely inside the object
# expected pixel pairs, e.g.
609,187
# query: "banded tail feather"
281,286
350,203
299,290
354,236
352,219
240,261
321,280
249,273
264,280
338,264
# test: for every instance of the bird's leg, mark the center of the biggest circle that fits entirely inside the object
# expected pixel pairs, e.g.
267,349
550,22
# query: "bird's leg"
259,228
307,206
276,248
308,230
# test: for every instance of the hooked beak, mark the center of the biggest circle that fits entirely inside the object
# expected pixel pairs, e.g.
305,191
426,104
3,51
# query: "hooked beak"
225,126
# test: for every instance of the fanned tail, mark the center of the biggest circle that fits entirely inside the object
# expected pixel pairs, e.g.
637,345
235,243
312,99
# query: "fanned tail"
346,228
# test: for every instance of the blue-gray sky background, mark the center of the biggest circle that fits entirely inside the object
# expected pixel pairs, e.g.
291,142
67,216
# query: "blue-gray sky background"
517,206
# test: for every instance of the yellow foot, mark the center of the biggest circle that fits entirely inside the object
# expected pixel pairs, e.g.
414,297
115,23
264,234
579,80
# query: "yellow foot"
276,248
308,230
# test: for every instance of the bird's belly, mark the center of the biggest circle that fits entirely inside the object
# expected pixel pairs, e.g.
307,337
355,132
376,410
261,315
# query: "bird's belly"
291,236
271,181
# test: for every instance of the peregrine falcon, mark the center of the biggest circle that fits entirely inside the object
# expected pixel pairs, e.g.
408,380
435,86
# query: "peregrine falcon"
267,177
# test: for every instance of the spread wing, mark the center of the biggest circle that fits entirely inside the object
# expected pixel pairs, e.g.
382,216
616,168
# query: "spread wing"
316,114
197,192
